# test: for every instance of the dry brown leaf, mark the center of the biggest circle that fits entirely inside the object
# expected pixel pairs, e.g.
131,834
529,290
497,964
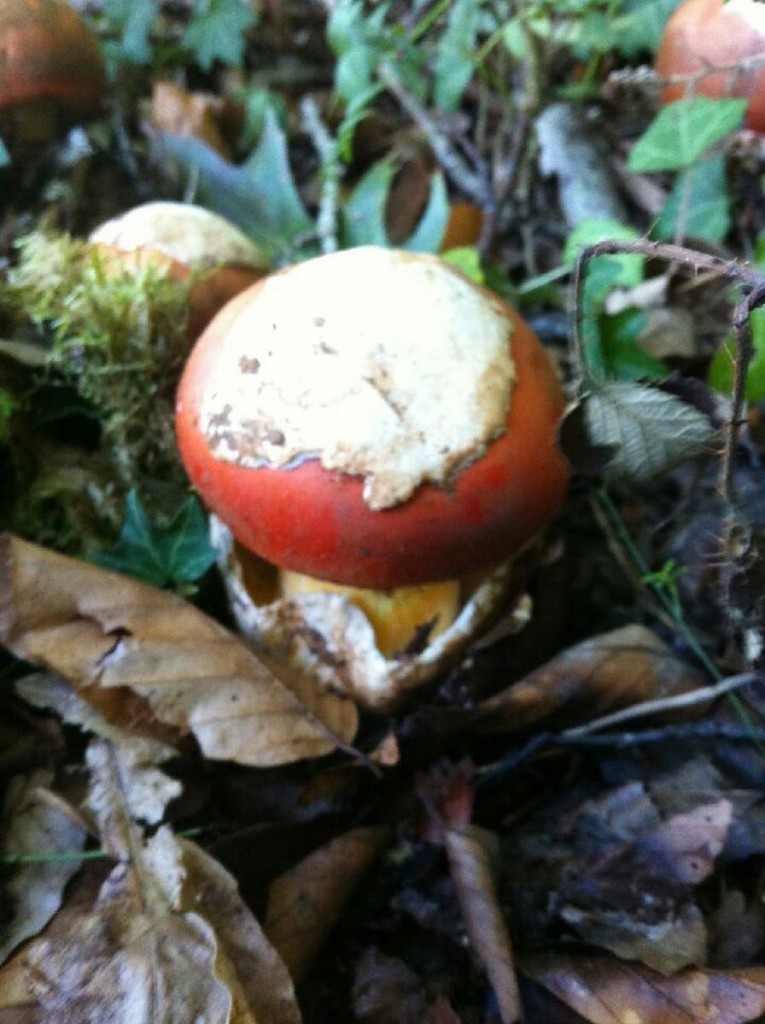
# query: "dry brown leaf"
190,115
305,903
618,669
606,991
144,656
472,852
165,936
385,989
34,827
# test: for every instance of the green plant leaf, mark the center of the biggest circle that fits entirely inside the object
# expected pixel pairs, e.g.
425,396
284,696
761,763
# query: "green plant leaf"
455,57
639,24
646,430
260,195
722,368
623,358
173,555
599,229
683,131
700,199
218,31
5,156
364,210
133,20
431,228
466,259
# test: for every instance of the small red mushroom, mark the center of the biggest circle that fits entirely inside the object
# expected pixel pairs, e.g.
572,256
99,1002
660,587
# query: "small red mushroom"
187,240
51,69
373,419
702,35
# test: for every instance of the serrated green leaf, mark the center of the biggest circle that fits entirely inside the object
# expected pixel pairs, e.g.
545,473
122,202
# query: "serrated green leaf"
431,228
217,32
364,210
722,368
699,198
259,196
176,554
683,131
646,430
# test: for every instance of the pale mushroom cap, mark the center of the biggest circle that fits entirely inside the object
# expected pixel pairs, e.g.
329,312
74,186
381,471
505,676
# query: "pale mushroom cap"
189,234
382,364
753,13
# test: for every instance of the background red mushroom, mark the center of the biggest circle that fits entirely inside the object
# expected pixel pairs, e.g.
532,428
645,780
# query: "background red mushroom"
707,34
51,69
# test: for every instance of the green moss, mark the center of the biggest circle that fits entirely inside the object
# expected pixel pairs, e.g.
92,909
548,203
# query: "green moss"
114,341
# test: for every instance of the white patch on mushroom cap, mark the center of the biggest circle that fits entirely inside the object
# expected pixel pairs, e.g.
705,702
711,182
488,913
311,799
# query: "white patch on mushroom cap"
190,234
379,363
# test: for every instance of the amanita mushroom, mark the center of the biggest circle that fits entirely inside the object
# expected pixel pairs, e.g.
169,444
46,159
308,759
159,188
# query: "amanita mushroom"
51,69
188,240
373,419
704,35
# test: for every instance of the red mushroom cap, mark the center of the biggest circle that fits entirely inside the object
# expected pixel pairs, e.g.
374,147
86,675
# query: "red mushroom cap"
707,33
48,53
305,515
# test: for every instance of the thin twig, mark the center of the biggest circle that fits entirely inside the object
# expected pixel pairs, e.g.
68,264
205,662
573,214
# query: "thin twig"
474,184
654,707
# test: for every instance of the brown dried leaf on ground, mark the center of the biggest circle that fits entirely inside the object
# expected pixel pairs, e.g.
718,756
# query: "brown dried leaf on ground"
619,873
306,902
473,856
146,658
627,666
606,991
192,115
471,852
385,989
164,937
37,829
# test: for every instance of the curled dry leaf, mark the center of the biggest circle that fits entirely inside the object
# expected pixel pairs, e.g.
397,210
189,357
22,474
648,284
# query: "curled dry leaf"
35,827
191,115
305,903
618,669
327,639
471,852
603,990
147,658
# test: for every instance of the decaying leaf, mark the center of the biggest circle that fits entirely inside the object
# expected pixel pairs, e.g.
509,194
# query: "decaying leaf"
618,669
648,431
386,989
163,937
190,115
471,851
37,829
307,901
143,657
605,991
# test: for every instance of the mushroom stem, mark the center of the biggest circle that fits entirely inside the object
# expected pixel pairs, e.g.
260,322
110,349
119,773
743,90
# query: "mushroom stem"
395,615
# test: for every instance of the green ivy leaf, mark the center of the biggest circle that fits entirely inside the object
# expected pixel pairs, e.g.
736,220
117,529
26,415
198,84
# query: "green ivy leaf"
217,31
700,199
599,229
623,358
722,368
133,20
173,555
683,131
639,25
